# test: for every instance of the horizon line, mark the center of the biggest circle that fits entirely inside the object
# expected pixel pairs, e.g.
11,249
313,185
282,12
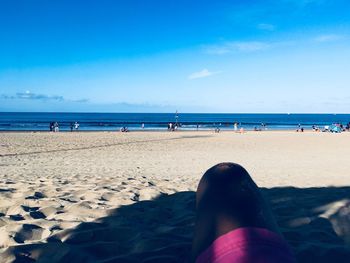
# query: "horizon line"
177,112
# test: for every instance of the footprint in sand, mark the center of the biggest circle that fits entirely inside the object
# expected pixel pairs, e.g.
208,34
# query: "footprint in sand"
30,232
16,217
36,195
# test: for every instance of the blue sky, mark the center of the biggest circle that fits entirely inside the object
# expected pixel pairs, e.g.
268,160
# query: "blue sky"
159,56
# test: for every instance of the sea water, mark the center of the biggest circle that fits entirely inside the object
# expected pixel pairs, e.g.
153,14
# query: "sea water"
30,121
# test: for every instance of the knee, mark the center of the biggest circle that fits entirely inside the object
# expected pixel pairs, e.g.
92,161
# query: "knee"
222,181
224,174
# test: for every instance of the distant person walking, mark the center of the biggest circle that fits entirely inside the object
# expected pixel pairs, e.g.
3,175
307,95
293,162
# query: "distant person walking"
76,126
51,126
71,126
56,127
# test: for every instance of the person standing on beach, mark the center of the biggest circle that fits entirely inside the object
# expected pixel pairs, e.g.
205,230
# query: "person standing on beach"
71,127
51,126
76,126
56,127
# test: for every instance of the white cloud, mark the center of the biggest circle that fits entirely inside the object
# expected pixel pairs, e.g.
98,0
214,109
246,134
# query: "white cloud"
328,38
266,27
27,95
218,50
250,46
237,46
202,74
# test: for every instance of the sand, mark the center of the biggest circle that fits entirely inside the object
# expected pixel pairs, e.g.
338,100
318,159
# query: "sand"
129,197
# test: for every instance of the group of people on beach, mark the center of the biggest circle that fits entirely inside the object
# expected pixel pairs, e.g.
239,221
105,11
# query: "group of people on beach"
300,128
173,126
54,127
124,129
342,127
74,126
335,128
262,127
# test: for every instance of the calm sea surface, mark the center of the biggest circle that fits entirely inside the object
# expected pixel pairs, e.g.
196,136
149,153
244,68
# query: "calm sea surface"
16,121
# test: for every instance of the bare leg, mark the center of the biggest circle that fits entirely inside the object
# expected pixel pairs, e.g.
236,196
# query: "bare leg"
227,199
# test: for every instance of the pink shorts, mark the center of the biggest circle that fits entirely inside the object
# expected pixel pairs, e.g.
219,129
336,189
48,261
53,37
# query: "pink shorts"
245,245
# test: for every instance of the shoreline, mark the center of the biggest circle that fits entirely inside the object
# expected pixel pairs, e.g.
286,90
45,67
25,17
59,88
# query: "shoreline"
166,131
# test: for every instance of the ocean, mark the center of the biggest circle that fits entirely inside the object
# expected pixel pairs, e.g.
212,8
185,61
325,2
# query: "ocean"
32,121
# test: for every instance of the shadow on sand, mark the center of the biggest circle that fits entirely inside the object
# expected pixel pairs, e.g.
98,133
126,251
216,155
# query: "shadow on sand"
315,222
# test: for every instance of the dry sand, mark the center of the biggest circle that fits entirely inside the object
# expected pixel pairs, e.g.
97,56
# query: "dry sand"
116,197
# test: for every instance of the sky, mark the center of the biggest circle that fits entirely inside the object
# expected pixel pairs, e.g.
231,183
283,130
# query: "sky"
271,56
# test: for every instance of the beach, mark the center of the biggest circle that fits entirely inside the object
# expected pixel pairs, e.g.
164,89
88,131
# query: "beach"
130,197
